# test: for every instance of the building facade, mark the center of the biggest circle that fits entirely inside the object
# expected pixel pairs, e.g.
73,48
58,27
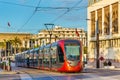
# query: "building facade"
30,41
6,37
107,14
58,33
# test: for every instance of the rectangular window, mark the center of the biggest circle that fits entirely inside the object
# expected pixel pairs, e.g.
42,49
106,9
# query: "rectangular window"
93,44
107,20
100,44
112,43
99,16
93,24
114,18
118,42
107,43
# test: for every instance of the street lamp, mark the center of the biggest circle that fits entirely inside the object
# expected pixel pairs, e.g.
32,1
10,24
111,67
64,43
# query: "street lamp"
49,31
97,43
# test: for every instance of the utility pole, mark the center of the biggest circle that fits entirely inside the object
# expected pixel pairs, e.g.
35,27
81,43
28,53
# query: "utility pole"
8,44
50,33
97,45
49,30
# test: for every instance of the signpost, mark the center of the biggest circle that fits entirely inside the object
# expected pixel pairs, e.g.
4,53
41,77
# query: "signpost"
97,45
50,33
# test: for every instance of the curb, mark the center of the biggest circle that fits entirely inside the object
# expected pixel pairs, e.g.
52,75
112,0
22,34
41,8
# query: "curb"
8,72
108,69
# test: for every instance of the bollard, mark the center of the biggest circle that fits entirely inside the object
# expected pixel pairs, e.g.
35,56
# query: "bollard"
109,63
8,68
4,66
9,65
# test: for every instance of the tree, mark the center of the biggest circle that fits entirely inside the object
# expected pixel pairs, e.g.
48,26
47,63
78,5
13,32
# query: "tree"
16,42
4,46
85,50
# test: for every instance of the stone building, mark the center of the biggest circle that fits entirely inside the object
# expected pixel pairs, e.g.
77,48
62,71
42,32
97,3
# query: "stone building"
107,14
5,37
43,37
57,33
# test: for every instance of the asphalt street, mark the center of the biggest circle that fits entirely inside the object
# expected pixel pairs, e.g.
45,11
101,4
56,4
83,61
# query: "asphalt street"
19,73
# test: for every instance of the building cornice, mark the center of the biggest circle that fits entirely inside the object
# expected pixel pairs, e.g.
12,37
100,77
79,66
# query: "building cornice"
15,33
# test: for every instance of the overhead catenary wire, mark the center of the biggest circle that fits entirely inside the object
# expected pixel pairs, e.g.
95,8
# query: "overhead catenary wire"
67,11
49,8
10,3
30,6
39,3
26,21
30,16
59,8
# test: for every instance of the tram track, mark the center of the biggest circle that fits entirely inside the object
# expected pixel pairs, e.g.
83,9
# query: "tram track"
31,74
44,74
36,74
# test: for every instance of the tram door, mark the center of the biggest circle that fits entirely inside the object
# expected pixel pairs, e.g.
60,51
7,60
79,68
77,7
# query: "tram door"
40,58
46,57
57,57
36,58
30,59
53,56
60,56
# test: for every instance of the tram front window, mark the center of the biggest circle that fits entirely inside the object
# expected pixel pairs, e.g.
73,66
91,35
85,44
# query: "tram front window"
72,52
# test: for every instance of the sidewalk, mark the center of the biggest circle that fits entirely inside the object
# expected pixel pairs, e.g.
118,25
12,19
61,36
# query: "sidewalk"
1,70
90,68
13,70
87,68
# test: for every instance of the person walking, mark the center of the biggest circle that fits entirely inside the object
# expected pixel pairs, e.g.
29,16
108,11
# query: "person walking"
28,63
8,64
4,64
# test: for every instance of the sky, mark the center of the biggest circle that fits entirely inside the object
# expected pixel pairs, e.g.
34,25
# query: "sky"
31,15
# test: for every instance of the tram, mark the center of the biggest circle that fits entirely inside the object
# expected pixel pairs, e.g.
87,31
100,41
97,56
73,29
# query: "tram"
61,56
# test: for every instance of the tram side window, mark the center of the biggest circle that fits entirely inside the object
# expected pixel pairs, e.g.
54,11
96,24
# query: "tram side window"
60,54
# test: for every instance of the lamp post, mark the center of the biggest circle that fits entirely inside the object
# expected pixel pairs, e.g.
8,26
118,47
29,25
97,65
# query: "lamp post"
50,33
97,43
8,45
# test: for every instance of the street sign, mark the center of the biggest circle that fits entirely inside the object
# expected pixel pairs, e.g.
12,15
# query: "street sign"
101,58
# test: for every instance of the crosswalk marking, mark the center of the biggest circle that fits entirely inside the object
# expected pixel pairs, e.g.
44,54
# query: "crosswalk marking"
25,77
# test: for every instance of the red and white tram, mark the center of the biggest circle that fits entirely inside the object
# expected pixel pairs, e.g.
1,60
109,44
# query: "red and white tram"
62,56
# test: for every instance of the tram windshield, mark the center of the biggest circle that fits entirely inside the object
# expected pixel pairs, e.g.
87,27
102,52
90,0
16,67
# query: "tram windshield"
72,51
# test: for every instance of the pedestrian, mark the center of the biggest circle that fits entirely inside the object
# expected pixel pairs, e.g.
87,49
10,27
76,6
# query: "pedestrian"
0,63
0,60
7,64
4,64
109,63
105,63
28,63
